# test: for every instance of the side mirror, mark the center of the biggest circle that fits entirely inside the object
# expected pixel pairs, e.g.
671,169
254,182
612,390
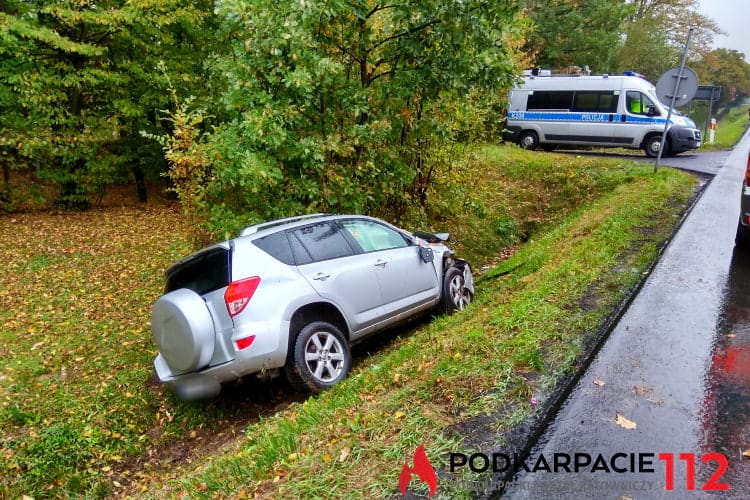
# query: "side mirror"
426,254
651,111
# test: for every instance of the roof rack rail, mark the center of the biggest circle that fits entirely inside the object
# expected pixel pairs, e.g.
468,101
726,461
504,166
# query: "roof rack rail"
266,225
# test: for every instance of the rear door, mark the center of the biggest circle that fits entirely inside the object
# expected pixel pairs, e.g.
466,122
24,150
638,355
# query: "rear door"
326,259
406,281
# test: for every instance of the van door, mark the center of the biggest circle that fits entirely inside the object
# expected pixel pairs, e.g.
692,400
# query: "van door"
594,113
638,116
581,117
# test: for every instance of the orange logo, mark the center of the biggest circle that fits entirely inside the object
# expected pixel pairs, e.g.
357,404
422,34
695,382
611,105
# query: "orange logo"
422,468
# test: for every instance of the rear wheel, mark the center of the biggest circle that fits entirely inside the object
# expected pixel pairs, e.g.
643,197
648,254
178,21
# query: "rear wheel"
321,358
529,140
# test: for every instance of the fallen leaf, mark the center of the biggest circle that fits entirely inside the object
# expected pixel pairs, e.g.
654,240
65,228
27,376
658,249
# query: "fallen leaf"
625,423
399,415
202,487
641,390
344,454
600,383
746,454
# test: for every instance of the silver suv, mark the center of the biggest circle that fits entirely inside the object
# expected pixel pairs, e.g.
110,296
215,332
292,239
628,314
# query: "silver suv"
293,294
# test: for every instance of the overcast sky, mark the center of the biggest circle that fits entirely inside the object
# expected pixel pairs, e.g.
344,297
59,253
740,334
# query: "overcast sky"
733,17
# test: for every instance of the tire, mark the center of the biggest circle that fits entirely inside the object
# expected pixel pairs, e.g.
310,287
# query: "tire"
320,359
651,146
183,330
455,295
528,140
742,238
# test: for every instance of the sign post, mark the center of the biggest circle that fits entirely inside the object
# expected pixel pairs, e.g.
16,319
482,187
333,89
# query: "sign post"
677,82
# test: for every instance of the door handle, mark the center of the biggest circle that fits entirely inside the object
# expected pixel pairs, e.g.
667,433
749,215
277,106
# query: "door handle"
381,263
321,276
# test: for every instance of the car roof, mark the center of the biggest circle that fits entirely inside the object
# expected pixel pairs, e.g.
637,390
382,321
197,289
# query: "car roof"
270,227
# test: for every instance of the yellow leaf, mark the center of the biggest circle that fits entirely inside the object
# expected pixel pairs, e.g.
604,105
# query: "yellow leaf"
399,415
292,457
625,423
326,457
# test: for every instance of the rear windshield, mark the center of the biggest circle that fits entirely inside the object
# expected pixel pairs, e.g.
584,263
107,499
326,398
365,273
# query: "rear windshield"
203,273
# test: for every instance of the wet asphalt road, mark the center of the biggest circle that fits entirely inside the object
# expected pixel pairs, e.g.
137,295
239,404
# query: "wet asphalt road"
676,369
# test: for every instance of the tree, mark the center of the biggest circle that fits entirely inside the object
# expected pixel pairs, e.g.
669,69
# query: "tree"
656,32
726,68
348,105
574,33
84,81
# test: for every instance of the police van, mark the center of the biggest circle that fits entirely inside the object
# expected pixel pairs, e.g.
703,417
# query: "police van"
603,111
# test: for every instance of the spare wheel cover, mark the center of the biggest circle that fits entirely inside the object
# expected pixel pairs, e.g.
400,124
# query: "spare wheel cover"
183,330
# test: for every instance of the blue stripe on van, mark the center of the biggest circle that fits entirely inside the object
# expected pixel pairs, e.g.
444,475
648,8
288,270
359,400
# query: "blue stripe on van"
562,116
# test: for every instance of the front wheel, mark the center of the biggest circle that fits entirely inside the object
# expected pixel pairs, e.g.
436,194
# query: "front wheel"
742,238
456,296
652,145
320,359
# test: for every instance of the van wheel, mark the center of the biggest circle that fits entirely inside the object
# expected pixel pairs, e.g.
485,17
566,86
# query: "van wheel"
742,238
652,145
529,140
321,358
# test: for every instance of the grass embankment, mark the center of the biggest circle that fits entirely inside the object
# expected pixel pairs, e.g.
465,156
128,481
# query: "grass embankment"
78,415
729,129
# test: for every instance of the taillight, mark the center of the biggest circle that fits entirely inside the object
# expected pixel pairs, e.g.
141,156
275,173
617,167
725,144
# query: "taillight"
244,343
747,171
239,293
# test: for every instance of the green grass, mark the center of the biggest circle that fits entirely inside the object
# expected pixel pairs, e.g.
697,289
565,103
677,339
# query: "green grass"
80,414
729,129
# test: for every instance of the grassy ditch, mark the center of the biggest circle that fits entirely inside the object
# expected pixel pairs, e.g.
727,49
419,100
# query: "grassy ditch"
729,129
80,414
531,322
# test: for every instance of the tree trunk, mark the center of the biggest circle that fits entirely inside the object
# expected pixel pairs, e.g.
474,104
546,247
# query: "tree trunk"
140,184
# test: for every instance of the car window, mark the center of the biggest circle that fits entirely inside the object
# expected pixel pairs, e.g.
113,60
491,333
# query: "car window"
595,102
318,242
277,246
202,273
372,236
638,103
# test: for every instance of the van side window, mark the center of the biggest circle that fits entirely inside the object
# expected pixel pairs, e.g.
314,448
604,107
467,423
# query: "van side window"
638,103
550,100
595,102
